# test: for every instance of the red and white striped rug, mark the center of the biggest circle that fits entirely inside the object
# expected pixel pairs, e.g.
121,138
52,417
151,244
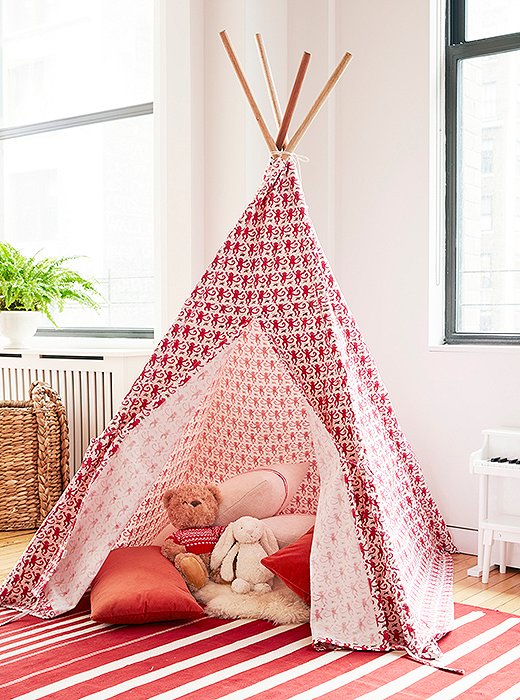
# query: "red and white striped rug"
72,657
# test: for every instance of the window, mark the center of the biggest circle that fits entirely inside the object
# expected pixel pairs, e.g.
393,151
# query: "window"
488,100
486,212
482,174
76,149
488,151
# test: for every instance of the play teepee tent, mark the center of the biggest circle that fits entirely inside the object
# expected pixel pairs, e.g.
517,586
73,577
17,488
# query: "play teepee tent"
264,364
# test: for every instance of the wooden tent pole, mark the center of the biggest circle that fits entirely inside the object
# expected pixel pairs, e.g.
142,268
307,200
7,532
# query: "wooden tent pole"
242,78
293,98
318,104
275,103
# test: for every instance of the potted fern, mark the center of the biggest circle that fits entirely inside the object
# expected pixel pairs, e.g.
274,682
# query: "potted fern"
31,286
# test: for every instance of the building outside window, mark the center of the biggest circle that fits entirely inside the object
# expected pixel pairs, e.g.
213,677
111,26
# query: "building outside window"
488,151
483,178
76,148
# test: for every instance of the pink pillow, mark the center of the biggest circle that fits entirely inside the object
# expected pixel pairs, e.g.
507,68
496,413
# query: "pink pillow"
292,565
137,585
260,493
288,528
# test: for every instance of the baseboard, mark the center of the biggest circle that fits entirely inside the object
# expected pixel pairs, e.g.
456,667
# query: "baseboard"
466,541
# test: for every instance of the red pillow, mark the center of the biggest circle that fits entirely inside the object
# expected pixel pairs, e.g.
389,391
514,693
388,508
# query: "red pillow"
292,565
138,584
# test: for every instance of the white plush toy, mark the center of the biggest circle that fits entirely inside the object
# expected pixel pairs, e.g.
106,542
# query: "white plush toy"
247,540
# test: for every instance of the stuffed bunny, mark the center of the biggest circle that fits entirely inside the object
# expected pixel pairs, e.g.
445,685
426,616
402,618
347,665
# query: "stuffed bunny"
239,551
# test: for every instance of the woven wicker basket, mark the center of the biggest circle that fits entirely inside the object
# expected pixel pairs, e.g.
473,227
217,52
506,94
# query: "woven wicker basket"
34,457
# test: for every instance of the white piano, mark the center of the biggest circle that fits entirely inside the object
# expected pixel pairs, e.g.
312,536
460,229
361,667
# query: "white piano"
499,456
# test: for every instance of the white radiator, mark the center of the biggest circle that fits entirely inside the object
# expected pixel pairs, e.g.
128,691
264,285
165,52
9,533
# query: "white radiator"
90,384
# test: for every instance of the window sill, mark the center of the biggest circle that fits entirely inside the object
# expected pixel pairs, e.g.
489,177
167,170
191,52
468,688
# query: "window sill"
474,348
85,346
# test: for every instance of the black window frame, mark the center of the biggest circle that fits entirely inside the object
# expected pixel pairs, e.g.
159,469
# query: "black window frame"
459,48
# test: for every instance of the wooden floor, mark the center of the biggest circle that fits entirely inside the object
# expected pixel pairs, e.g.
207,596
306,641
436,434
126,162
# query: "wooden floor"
501,593
12,544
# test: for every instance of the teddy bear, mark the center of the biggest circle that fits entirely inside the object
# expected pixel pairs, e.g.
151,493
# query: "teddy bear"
192,510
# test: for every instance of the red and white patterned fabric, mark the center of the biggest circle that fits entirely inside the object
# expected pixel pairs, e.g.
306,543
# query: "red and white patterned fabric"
264,364
198,540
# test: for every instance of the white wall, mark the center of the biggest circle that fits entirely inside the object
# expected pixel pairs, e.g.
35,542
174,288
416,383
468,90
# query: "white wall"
444,398
178,152
369,194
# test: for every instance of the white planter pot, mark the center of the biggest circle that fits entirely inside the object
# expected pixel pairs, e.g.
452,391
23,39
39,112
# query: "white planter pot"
18,327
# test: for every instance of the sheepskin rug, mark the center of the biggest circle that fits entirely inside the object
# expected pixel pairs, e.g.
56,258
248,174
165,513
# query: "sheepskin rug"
281,605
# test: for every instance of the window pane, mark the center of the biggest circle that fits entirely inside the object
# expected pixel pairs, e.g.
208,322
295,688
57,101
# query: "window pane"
488,245
491,18
87,191
62,58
